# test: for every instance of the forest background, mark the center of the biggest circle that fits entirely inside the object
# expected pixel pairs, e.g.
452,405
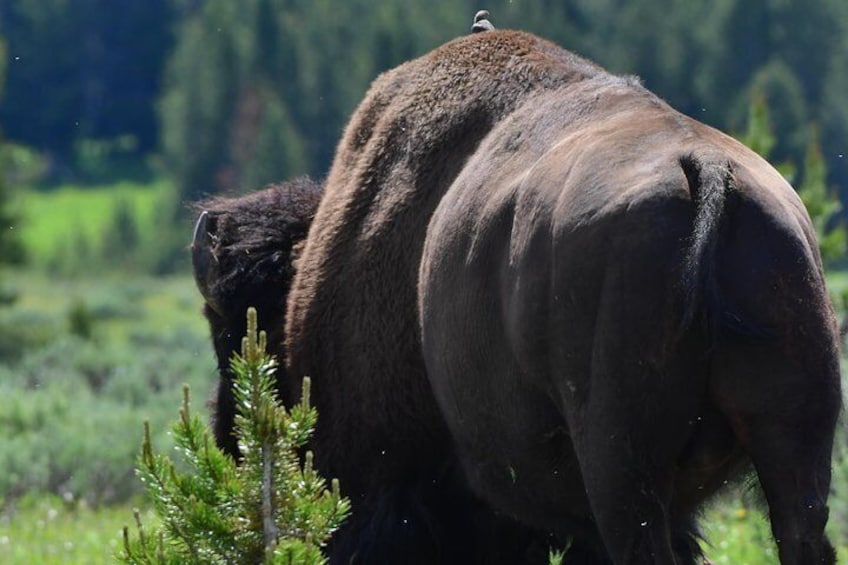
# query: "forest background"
116,114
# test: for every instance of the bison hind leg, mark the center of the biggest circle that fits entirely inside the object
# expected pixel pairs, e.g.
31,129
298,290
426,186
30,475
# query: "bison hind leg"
588,550
685,543
638,413
425,521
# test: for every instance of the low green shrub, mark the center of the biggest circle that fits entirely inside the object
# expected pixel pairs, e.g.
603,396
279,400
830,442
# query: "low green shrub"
72,408
25,330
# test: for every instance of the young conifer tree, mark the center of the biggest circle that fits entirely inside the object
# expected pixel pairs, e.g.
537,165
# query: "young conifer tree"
270,508
821,201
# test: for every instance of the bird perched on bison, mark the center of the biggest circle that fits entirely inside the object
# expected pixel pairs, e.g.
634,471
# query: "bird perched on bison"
481,22
538,305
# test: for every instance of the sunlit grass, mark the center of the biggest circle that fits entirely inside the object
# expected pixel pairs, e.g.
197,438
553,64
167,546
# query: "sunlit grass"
737,535
72,215
121,304
47,530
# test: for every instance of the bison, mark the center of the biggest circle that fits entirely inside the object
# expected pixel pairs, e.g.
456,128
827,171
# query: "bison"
242,253
540,306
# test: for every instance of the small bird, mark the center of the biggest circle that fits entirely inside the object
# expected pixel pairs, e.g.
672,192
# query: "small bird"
481,22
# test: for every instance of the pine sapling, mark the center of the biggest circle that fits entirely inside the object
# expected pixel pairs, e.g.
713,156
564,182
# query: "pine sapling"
269,508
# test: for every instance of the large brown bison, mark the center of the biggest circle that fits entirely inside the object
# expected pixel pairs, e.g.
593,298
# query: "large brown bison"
536,281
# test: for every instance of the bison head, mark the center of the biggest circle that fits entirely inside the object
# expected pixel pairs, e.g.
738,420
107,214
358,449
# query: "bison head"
243,254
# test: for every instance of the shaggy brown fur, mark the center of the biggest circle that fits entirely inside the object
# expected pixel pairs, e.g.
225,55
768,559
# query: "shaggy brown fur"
243,255
352,323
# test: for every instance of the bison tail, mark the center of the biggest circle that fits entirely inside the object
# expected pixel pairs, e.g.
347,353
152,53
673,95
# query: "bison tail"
710,178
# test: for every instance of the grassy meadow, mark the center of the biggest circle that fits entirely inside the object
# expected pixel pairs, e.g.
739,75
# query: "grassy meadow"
73,230
90,361
71,212
47,529
91,346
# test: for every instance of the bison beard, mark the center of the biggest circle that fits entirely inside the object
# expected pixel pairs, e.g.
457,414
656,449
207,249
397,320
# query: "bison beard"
538,305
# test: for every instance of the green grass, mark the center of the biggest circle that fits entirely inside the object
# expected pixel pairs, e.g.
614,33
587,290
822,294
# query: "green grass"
52,216
47,530
122,305
70,223
737,535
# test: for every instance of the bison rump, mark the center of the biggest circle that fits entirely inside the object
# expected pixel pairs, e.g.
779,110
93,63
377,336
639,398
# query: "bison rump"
574,298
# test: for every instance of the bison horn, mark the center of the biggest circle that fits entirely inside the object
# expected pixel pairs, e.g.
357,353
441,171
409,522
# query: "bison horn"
481,22
203,259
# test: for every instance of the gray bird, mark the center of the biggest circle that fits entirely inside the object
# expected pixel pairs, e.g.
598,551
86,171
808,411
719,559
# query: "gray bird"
481,22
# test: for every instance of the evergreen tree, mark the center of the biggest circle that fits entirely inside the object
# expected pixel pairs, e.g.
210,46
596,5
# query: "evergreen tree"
822,204
121,239
779,88
84,69
834,120
201,86
11,250
268,509
271,148
758,135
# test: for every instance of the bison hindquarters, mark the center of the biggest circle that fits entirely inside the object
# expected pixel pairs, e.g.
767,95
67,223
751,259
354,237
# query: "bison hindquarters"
586,396
778,380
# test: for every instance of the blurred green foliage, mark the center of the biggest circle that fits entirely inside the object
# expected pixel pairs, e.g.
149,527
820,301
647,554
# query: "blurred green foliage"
259,90
11,250
75,230
810,179
81,365
87,69
308,63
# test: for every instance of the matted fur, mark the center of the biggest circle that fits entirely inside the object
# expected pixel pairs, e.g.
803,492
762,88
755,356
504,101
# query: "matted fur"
244,256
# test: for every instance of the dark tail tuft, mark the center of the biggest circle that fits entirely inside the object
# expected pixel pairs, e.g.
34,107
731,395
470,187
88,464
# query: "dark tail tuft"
710,179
